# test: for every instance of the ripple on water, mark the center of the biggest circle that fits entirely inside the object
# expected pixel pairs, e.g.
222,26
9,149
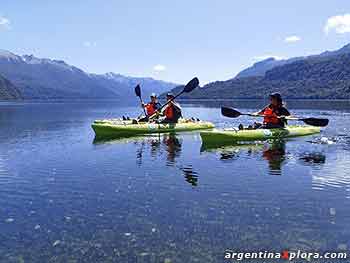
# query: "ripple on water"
335,175
4,174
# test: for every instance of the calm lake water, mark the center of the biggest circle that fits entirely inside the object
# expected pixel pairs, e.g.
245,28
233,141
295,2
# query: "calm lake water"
64,198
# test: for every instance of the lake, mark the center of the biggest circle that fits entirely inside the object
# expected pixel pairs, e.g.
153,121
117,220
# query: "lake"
163,198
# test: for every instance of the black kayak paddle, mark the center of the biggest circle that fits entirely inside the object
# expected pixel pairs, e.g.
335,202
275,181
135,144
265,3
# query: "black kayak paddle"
190,86
138,94
232,113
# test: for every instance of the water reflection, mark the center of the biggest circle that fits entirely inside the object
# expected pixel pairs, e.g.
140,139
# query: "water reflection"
168,143
156,147
63,199
274,152
173,148
275,155
313,158
228,155
190,175
154,144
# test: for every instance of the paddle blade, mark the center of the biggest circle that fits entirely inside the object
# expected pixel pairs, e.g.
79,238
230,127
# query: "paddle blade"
191,85
138,91
316,122
229,112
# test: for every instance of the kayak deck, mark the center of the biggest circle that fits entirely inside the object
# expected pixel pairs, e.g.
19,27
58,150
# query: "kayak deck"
118,128
230,136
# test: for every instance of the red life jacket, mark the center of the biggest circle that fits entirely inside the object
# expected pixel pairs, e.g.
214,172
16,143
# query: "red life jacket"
150,108
169,112
270,116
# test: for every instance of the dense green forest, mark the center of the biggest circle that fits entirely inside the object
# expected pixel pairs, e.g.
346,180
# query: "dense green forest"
316,77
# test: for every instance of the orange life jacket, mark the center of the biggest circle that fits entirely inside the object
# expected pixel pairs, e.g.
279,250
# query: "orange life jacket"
150,108
270,116
169,112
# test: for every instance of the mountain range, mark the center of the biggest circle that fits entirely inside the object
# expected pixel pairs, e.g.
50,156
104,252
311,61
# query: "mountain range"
42,78
323,76
261,67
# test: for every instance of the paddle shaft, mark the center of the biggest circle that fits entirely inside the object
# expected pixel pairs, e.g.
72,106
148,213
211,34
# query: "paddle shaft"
309,121
142,105
280,117
172,99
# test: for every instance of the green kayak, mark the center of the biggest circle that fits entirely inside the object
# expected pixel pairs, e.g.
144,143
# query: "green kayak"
231,136
116,128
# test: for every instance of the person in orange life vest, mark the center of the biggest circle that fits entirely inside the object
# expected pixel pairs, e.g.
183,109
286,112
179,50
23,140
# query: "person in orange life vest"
152,106
172,112
273,112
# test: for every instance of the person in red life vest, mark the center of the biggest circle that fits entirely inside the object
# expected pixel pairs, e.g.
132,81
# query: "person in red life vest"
273,113
171,112
152,106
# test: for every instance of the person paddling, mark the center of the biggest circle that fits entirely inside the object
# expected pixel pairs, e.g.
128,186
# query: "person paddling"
172,112
152,106
273,113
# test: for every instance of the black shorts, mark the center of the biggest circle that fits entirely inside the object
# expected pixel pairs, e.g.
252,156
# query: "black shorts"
169,121
271,126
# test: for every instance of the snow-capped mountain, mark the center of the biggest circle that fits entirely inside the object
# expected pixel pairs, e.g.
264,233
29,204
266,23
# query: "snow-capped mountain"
41,78
148,85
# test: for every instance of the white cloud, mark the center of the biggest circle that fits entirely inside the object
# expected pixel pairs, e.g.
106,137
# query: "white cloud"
4,22
89,44
159,68
263,57
292,39
340,24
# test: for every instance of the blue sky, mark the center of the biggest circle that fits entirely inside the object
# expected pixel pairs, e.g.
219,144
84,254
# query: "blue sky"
172,40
